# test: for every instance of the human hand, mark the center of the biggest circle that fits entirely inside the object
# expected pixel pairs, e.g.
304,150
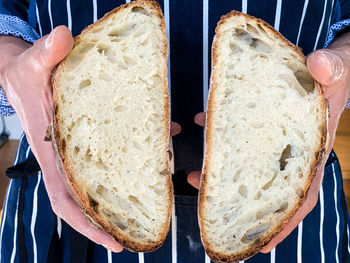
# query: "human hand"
330,67
25,73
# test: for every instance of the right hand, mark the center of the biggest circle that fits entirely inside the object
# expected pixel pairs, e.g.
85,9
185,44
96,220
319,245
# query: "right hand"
25,74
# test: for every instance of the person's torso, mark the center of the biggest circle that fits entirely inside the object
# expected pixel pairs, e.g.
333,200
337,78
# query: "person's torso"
190,29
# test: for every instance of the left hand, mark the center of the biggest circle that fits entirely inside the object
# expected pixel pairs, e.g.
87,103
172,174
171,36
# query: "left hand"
331,68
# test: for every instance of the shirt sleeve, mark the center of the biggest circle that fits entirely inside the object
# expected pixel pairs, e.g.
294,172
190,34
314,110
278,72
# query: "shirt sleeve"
13,16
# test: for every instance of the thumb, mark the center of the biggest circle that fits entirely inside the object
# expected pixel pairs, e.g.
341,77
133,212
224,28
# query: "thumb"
326,67
49,50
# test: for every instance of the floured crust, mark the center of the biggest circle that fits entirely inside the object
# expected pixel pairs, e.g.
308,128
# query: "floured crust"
319,155
66,168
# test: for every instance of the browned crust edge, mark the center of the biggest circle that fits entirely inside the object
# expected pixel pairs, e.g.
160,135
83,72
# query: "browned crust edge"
65,168
319,154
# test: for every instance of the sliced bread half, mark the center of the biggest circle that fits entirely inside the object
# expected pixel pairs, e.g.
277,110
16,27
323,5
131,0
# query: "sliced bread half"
111,125
265,135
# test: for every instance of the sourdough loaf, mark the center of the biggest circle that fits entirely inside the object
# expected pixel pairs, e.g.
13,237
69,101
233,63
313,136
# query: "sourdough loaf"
111,125
265,136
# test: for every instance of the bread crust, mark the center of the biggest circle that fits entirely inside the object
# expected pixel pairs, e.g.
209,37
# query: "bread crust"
65,167
319,155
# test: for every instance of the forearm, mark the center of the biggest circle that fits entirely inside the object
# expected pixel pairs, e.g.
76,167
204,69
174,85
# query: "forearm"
342,42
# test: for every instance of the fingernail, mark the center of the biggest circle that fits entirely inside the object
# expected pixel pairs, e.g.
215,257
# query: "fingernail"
336,63
49,40
111,249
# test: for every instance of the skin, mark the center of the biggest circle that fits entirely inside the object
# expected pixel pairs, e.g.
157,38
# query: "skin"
25,72
330,67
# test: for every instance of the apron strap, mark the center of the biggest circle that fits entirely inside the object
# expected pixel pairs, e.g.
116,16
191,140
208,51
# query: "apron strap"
55,250
30,167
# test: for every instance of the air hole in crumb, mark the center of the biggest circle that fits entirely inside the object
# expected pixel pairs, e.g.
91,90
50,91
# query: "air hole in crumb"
260,46
305,80
283,207
88,155
237,175
78,55
69,137
137,234
85,83
256,124
262,29
251,105
269,183
300,192
122,31
76,150
136,202
105,77
93,203
140,10
263,212
255,232
252,29
259,55
286,154
101,164
129,60
137,145
119,222
257,196
300,134
106,50
209,198
300,172
116,39
107,121
242,190
293,83
63,144
235,48
119,108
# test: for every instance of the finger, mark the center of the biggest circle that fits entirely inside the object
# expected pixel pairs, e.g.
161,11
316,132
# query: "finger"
49,50
64,206
74,217
175,128
327,68
194,178
200,119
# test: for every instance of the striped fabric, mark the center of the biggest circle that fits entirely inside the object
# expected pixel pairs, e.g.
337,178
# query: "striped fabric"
323,236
